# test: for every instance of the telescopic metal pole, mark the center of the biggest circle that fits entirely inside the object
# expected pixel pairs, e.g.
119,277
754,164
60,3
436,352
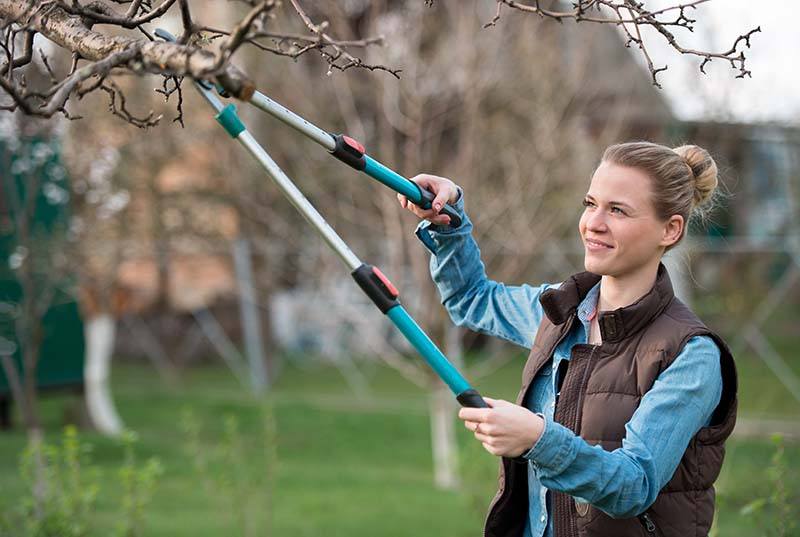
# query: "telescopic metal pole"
371,280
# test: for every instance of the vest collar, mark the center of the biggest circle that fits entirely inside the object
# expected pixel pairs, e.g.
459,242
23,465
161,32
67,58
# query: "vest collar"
561,303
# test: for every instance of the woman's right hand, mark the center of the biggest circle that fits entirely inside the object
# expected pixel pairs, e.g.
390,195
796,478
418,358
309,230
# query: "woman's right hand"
446,192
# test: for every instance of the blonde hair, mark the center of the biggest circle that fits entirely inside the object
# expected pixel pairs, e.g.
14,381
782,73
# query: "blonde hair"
684,179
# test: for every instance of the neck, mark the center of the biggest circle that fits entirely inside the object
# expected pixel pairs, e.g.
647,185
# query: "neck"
623,290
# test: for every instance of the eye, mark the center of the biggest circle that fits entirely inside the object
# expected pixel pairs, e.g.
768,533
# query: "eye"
617,209
587,203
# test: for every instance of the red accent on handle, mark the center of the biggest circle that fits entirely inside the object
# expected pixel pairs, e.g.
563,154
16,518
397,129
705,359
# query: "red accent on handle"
392,289
355,144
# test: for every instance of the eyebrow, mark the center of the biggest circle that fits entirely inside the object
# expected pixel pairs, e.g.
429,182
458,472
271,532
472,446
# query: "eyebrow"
620,203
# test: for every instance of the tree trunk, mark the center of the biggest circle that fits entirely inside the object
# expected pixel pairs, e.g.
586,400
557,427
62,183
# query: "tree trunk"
100,332
442,410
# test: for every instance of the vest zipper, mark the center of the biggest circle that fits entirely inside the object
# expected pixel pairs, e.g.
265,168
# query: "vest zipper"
649,525
586,369
552,351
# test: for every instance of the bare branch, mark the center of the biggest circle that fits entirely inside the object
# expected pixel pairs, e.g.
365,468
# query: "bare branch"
71,33
205,52
121,110
633,13
339,51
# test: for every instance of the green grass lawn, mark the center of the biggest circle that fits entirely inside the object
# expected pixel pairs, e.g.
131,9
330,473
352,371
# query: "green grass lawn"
342,466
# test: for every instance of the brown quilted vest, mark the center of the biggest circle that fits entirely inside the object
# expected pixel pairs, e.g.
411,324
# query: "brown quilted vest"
600,392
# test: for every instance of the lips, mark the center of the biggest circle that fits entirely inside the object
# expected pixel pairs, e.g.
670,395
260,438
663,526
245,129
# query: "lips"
597,243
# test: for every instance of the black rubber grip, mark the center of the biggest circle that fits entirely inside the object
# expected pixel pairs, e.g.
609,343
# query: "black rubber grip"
429,196
472,399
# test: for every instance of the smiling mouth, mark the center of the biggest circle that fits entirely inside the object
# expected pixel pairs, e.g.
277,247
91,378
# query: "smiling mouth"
597,244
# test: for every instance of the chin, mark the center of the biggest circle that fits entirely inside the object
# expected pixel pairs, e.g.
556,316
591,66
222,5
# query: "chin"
595,266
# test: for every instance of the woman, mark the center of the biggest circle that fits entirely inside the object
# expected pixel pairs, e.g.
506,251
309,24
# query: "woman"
627,397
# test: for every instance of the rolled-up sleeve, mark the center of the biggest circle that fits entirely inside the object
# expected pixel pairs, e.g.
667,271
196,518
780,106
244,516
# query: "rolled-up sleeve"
625,482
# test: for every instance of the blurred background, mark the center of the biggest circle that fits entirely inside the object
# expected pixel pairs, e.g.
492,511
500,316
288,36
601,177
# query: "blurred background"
196,361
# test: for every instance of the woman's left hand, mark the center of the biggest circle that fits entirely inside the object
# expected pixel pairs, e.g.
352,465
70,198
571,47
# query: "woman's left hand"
505,429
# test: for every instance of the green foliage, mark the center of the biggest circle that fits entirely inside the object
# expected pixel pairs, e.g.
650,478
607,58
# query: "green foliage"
776,511
62,488
138,484
227,471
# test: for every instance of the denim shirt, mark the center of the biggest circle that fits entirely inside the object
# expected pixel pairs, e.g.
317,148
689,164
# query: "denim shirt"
624,482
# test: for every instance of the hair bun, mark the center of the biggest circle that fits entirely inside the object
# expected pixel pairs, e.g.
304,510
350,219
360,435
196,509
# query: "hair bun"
704,170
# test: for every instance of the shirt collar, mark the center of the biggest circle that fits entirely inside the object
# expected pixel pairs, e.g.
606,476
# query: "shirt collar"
588,306
561,303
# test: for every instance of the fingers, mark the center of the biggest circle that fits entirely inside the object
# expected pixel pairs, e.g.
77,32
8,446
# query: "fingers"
425,214
484,439
441,220
441,199
494,450
479,415
430,214
485,430
483,433
442,188
428,181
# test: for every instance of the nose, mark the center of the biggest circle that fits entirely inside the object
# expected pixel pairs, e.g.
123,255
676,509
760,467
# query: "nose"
596,221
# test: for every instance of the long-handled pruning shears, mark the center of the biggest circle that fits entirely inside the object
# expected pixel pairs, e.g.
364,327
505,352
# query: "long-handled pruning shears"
371,280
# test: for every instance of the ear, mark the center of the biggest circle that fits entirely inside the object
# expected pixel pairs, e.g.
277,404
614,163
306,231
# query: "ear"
673,229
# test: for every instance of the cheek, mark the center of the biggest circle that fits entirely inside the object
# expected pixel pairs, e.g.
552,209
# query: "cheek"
638,237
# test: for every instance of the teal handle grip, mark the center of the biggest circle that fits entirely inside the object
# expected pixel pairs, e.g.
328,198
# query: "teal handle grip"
392,179
408,188
429,351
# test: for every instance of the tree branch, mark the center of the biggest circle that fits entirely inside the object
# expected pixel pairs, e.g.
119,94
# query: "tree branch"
633,13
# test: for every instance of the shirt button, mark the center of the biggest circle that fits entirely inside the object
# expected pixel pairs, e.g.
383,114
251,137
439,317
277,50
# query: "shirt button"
543,518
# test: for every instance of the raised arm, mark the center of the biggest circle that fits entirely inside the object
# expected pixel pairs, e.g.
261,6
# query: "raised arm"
472,300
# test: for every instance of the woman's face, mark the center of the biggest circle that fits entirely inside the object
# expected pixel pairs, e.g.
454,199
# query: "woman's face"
619,227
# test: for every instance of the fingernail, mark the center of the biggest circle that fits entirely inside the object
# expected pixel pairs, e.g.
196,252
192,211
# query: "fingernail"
437,206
